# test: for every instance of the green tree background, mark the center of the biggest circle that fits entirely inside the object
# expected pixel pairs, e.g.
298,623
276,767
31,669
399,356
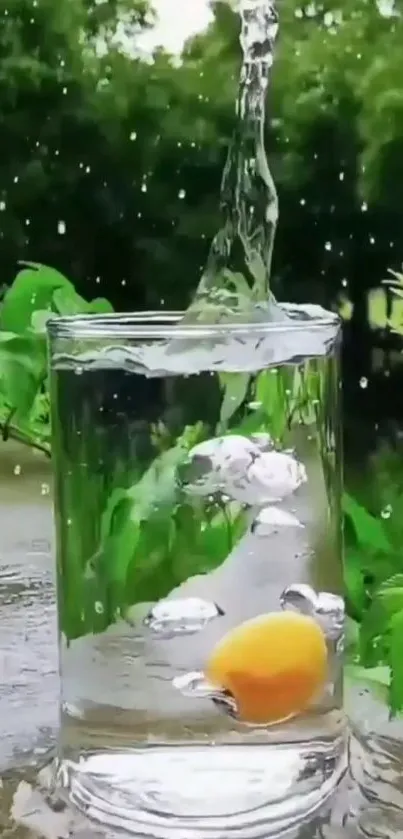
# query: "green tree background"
110,165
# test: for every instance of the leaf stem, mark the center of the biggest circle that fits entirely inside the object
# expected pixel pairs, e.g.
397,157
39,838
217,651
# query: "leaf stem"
12,432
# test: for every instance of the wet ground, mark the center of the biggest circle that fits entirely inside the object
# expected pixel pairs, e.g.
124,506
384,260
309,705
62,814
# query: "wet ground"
29,679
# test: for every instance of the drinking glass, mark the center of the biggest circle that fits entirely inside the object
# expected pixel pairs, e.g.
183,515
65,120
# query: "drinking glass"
199,570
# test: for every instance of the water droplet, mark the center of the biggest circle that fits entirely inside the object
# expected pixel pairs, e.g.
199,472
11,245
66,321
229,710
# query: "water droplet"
299,597
61,227
144,187
16,179
182,194
45,489
328,246
387,511
17,469
2,205
363,382
133,135
364,207
181,617
271,519
99,607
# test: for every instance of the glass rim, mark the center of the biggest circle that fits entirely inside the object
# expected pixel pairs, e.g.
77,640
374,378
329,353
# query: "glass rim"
168,324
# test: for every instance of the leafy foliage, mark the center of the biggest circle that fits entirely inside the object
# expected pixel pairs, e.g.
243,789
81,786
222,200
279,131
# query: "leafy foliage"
38,292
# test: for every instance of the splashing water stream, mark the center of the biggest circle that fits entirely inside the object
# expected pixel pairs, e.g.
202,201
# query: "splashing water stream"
236,279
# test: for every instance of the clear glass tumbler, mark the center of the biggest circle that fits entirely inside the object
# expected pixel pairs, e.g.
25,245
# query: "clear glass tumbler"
199,570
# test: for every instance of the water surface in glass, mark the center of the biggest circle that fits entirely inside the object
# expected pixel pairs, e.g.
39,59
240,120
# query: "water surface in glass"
197,507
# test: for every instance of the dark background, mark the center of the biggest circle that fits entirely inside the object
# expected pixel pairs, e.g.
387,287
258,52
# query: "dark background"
110,169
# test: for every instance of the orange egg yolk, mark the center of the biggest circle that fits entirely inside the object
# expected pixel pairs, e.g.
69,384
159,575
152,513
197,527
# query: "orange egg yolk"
274,666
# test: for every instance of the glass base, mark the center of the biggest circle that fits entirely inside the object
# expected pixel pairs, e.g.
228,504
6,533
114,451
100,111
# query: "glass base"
203,791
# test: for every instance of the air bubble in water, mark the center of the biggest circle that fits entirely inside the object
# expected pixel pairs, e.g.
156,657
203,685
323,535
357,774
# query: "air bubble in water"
213,465
271,477
326,608
299,597
387,511
330,613
272,519
194,685
181,617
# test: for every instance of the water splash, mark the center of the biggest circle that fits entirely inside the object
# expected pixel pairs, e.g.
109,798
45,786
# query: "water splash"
236,279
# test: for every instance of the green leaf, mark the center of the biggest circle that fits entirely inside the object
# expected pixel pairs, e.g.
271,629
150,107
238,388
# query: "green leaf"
32,290
100,306
270,394
396,662
66,301
22,370
235,387
356,593
369,531
374,634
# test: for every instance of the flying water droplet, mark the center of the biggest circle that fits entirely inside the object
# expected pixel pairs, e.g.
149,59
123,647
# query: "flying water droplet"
387,511
61,227
363,382
99,607
272,519
181,617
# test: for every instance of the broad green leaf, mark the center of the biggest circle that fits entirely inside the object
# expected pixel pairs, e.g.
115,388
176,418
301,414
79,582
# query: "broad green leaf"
396,662
356,592
235,387
369,531
22,370
375,627
32,290
66,301
271,396
39,320
100,306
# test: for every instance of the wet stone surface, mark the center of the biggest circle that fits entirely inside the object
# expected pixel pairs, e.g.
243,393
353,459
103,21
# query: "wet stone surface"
29,683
